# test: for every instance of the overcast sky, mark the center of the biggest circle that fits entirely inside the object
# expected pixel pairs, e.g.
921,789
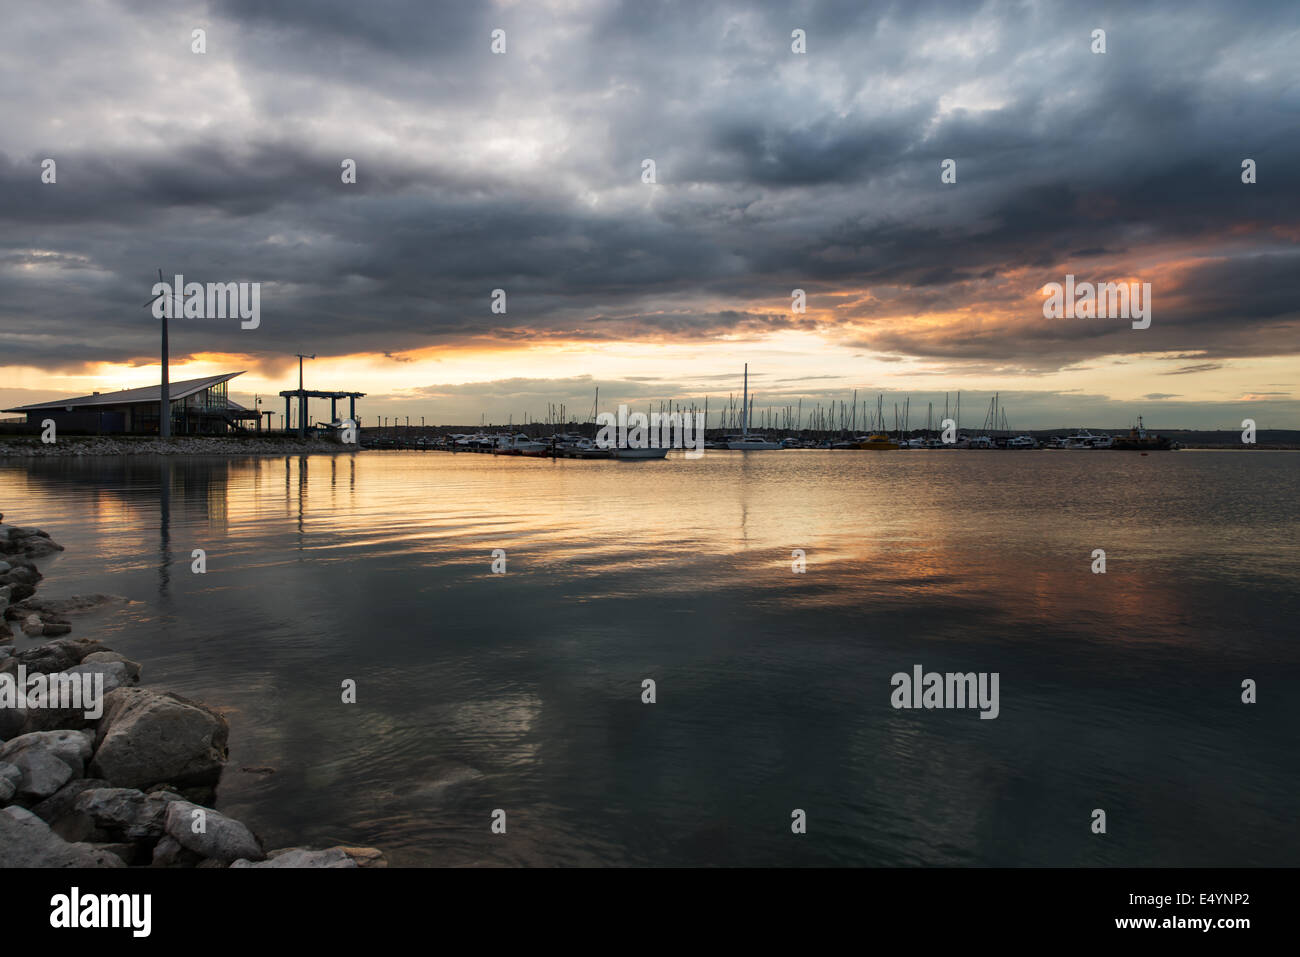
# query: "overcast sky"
775,170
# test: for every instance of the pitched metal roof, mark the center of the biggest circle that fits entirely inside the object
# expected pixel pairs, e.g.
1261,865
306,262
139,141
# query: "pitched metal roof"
148,393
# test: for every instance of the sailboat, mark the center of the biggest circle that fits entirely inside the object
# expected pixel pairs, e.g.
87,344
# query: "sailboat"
746,442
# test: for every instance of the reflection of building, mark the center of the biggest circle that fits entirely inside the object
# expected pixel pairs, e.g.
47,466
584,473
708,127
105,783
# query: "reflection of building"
197,405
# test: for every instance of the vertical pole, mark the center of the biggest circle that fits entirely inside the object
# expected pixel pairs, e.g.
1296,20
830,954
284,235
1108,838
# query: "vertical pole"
164,394
302,398
744,415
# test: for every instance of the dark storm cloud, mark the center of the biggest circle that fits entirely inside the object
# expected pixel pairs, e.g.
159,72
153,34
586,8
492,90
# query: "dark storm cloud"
523,171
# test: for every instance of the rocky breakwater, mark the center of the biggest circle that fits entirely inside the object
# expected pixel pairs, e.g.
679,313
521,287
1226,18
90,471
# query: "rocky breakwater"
76,446
96,771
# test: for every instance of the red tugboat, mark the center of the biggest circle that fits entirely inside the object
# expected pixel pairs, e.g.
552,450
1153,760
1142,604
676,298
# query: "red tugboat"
1139,439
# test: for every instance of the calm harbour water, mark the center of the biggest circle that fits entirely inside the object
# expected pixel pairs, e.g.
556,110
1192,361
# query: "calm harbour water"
523,691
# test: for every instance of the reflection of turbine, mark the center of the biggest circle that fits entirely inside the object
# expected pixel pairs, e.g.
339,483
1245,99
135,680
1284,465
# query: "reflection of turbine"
164,394
164,526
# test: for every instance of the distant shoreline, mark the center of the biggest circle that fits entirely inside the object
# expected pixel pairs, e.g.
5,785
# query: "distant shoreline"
385,440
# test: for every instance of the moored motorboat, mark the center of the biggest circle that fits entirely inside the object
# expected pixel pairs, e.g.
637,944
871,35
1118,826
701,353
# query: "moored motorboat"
581,448
1084,439
879,442
751,443
519,444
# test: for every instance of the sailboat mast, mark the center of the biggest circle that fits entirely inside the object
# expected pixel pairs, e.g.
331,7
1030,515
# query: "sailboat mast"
744,413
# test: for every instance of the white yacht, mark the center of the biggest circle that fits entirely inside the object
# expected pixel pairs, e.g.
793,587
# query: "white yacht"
751,443
519,444
1086,440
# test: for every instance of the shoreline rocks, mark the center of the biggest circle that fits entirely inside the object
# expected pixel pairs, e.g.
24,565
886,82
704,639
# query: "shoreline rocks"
20,545
329,857
132,786
27,841
78,445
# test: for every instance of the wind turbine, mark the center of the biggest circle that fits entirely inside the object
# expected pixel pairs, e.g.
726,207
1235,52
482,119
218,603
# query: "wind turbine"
164,395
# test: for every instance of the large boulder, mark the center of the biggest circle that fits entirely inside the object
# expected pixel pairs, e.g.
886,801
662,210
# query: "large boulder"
148,737
96,657
27,542
73,748
210,833
42,774
36,547
115,672
27,841
132,814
